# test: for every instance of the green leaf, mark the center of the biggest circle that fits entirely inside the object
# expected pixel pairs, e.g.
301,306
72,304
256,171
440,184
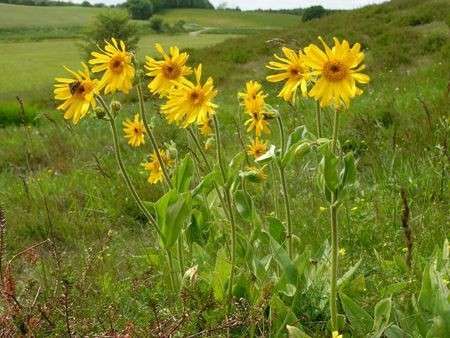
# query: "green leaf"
206,184
276,229
184,174
244,205
329,166
197,230
268,156
348,173
172,211
221,274
359,319
281,256
294,332
381,316
394,331
297,149
350,272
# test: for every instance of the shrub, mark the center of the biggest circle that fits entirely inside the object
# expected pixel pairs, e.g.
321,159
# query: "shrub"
313,12
140,9
434,42
107,25
156,24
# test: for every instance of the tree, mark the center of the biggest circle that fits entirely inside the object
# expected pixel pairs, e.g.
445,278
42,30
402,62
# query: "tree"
313,12
140,9
107,25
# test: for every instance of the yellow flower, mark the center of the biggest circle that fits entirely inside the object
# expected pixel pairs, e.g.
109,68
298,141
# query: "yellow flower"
253,97
115,62
293,70
152,166
206,128
168,71
257,148
258,121
259,174
336,334
78,93
338,70
134,131
190,102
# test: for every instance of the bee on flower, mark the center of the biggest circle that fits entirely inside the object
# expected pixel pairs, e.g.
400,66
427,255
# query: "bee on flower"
134,131
293,71
190,102
116,64
77,92
167,72
257,148
154,168
338,70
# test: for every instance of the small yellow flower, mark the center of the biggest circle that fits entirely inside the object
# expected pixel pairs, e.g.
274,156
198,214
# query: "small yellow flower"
293,70
335,334
167,72
338,70
259,173
258,121
116,64
191,102
134,131
78,94
206,128
152,166
253,97
257,148
342,251
322,209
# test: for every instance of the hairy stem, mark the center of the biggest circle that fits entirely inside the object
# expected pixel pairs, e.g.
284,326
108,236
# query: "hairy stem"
318,120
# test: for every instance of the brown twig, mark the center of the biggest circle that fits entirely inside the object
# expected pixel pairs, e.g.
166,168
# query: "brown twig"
407,227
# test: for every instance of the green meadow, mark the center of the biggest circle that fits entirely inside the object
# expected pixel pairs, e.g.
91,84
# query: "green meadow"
84,261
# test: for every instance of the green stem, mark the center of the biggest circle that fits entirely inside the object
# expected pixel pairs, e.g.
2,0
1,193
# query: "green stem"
180,254
171,270
125,175
318,120
152,137
230,209
287,206
334,237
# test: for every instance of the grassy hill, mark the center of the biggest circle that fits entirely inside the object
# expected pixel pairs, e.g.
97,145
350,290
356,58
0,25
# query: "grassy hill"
61,182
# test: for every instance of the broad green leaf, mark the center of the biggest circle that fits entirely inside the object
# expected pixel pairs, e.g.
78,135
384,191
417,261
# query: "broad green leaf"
329,166
298,149
244,205
172,210
183,174
381,316
289,290
221,274
348,173
197,230
281,315
359,319
276,229
295,332
350,272
206,184
282,258
268,156
394,331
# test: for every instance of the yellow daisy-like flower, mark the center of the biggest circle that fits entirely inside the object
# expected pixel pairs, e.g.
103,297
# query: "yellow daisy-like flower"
116,64
134,131
78,93
338,70
152,166
258,121
190,102
167,72
293,70
206,128
253,97
336,334
257,148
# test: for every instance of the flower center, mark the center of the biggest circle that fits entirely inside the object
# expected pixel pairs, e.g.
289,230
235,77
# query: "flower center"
116,64
335,71
295,71
171,71
196,97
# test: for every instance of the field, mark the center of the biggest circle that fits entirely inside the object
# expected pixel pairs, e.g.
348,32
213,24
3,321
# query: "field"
79,256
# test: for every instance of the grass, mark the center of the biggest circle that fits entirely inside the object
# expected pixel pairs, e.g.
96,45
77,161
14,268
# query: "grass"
28,67
62,182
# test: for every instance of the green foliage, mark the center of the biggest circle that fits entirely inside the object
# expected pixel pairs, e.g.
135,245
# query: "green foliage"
11,114
140,9
156,24
109,25
313,12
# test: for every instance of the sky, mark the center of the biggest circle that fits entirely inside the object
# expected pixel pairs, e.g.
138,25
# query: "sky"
276,4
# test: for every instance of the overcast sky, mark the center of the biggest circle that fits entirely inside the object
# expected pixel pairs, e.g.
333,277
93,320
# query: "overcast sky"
275,4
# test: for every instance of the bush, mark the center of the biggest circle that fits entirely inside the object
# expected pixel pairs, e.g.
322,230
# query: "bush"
313,12
108,25
140,9
157,24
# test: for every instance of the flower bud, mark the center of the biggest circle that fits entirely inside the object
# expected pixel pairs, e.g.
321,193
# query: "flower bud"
116,106
100,112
